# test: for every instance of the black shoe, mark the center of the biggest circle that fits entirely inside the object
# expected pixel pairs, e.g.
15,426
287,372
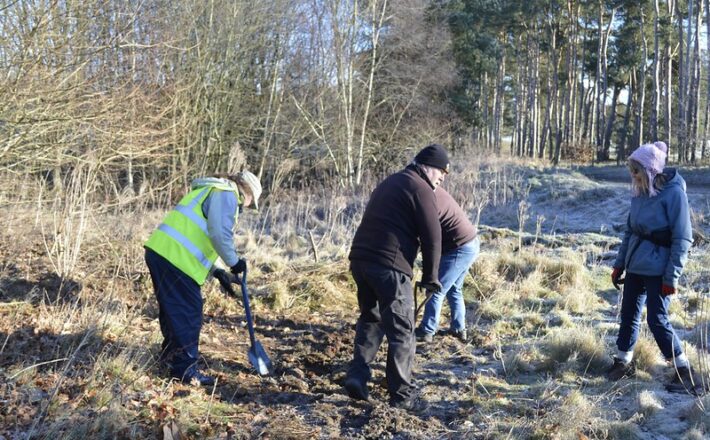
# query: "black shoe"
685,380
196,377
356,389
620,370
413,404
423,336
459,334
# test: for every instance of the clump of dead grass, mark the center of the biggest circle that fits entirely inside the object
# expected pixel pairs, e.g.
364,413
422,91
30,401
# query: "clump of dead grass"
567,417
649,404
698,413
646,354
485,279
679,314
580,349
518,361
313,287
554,273
113,421
618,430
519,277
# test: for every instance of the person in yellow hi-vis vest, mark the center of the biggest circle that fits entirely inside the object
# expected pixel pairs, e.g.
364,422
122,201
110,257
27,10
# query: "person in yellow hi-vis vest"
180,254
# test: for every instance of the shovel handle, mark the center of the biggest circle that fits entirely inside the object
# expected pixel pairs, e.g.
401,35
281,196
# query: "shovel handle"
247,308
427,297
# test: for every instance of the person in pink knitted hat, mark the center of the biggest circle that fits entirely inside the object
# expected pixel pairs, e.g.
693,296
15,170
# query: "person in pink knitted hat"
649,159
653,252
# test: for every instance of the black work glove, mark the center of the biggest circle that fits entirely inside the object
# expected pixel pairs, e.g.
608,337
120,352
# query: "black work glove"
432,287
222,276
240,267
226,280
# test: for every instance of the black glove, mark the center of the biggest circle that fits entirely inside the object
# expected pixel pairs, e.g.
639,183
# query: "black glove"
222,276
432,287
240,267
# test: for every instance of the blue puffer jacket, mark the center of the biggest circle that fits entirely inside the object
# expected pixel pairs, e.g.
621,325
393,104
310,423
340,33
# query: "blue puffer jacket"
666,211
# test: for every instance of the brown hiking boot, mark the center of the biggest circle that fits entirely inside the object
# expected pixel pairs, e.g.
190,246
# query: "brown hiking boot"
620,369
685,380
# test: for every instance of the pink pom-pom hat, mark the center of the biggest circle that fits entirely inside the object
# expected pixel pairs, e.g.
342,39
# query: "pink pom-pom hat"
653,159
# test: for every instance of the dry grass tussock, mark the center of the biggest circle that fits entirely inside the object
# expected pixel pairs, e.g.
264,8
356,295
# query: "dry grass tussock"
647,355
504,282
572,415
311,287
649,404
624,430
698,413
580,349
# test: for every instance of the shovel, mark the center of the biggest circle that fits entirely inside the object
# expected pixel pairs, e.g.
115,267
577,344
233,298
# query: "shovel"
257,355
428,294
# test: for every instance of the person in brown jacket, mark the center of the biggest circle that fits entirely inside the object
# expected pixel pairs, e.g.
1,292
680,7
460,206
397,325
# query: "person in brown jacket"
400,215
459,248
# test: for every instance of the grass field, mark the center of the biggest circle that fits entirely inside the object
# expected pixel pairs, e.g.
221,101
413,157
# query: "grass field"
79,336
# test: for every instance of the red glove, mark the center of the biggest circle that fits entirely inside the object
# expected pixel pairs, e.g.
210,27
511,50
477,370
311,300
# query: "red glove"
616,277
667,290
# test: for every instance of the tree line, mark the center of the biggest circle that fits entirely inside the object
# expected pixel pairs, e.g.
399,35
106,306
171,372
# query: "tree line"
153,92
585,79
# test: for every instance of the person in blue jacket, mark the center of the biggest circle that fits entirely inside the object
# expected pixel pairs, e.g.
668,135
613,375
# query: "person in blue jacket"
180,254
653,252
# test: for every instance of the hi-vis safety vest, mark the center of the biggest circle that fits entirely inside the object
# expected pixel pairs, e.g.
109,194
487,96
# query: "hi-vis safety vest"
182,238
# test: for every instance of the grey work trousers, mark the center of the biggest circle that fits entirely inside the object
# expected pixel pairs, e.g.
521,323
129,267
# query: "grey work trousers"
386,303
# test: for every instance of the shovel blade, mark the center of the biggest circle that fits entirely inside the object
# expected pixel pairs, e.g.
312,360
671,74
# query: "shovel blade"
259,359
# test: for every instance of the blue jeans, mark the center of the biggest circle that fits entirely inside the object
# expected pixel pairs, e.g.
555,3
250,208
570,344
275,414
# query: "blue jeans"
452,272
640,290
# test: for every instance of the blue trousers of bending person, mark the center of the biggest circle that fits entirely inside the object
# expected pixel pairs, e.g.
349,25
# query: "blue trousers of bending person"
180,302
642,290
452,271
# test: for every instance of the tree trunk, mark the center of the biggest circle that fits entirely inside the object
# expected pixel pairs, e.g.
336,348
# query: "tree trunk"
694,100
668,110
599,92
377,24
582,116
610,121
638,130
707,95
621,149
500,105
656,97
682,101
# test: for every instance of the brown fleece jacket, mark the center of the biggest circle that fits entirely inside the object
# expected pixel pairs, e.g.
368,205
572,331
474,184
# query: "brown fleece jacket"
456,228
400,215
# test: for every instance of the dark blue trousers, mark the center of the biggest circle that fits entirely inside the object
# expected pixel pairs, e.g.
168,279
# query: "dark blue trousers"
642,290
180,302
